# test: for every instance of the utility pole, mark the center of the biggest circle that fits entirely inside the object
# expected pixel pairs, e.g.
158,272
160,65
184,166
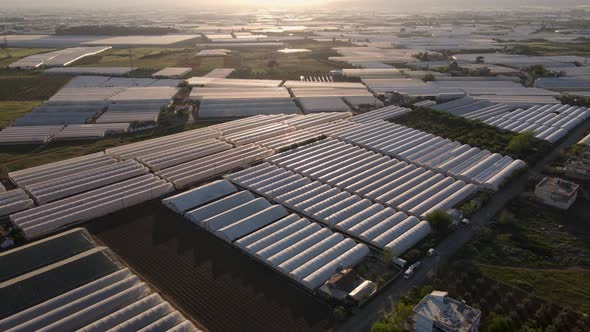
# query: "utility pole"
131,64
4,45
436,262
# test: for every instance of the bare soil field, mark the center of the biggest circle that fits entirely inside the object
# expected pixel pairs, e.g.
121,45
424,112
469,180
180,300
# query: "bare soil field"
220,287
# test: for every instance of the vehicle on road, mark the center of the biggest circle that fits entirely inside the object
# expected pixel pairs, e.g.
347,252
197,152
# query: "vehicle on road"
410,271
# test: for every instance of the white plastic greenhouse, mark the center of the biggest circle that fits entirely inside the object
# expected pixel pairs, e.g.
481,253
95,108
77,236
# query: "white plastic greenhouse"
429,151
409,238
192,198
107,298
50,217
349,213
14,201
269,233
348,168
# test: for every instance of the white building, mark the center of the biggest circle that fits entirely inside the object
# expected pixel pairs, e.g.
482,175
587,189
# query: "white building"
557,192
438,312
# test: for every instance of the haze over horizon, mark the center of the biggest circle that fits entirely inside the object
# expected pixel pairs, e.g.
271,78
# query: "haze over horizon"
387,5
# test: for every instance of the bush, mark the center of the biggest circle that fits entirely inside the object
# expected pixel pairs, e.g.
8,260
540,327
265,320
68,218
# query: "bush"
341,313
382,327
387,255
397,319
506,217
428,77
469,208
521,143
440,221
499,324
474,133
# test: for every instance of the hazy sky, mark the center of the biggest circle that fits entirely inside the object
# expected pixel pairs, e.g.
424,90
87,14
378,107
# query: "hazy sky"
389,4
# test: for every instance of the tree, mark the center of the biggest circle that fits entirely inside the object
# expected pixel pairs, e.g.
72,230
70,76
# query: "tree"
499,324
423,56
454,66
520,143
428,77
272,63
439,220
340,313
381,327
530,329
506,217
387,255
535,72
400,315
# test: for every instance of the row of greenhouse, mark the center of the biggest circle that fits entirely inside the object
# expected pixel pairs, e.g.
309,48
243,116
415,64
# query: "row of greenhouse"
548,122
83,188
461,161
298,248
68,283
384,180
373,223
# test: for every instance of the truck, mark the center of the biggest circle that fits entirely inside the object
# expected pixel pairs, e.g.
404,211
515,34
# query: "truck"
410,271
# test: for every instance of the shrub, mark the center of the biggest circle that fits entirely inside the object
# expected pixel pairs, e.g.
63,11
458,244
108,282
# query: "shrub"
499,323
506,217
428,77
341,313
440,221
520,143
381,327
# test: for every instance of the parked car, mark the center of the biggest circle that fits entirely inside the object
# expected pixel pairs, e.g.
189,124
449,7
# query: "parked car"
410,271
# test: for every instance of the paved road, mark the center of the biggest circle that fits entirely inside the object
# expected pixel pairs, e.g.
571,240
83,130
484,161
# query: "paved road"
383,302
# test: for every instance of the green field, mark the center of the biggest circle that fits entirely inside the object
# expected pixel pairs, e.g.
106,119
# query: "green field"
249,63
531,268
143,58
552,48
259,63
567,286
10,110
17,53
538,250
474,133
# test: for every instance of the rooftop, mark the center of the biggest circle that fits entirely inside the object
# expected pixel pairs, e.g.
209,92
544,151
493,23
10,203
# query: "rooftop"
440,308
558,186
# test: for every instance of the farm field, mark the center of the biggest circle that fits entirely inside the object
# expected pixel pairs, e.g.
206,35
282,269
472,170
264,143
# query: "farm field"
471,132
250,63
10,110
143,58
553,48
538,251
257,63
29,86
209,280
18,53
528,271
570,286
